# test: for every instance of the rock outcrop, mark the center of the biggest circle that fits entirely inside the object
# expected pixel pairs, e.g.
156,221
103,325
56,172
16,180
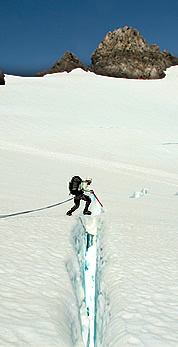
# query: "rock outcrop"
125,53
2,80
67,63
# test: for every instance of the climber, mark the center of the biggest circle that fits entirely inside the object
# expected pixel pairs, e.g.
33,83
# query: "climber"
78,187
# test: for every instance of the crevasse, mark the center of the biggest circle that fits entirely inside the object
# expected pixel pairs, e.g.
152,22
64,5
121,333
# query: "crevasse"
87,284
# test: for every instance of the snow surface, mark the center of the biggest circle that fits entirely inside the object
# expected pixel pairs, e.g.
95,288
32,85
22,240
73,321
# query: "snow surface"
123,133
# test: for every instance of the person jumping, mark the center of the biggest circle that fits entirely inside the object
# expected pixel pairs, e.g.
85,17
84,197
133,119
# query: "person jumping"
77,187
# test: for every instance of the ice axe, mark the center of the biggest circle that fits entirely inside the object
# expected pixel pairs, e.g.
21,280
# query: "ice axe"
97,199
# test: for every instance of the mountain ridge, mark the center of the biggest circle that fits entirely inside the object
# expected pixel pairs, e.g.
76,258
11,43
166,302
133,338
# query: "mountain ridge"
123,53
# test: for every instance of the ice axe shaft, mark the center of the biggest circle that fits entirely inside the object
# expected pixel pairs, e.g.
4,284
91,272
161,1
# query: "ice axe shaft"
97,199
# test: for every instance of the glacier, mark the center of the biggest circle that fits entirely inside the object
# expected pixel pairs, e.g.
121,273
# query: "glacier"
123,134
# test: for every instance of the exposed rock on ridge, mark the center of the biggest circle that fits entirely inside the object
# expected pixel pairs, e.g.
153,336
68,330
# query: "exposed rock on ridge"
68,62
2,80
125,53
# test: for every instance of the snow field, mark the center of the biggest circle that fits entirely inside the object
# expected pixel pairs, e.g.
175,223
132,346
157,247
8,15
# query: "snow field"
35,309
145,286
123,133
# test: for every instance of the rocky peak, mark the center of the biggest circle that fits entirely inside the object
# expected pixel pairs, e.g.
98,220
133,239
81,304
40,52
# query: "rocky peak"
126,38
125,53
67,63
122,53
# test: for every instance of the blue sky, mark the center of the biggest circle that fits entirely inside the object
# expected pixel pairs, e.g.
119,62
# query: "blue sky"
36,33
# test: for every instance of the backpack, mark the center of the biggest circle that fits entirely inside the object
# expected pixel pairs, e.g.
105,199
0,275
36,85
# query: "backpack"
74,184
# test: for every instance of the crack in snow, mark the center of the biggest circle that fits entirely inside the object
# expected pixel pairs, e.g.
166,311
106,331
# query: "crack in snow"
91,300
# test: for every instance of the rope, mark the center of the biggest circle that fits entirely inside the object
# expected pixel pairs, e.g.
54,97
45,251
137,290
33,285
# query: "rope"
34,210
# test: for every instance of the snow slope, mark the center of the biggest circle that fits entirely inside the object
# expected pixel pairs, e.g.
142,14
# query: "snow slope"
123,133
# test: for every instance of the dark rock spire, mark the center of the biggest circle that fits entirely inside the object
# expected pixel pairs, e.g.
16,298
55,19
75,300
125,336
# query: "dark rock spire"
125,53
67,63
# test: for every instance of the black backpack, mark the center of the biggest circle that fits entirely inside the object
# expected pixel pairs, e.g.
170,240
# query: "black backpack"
74,184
